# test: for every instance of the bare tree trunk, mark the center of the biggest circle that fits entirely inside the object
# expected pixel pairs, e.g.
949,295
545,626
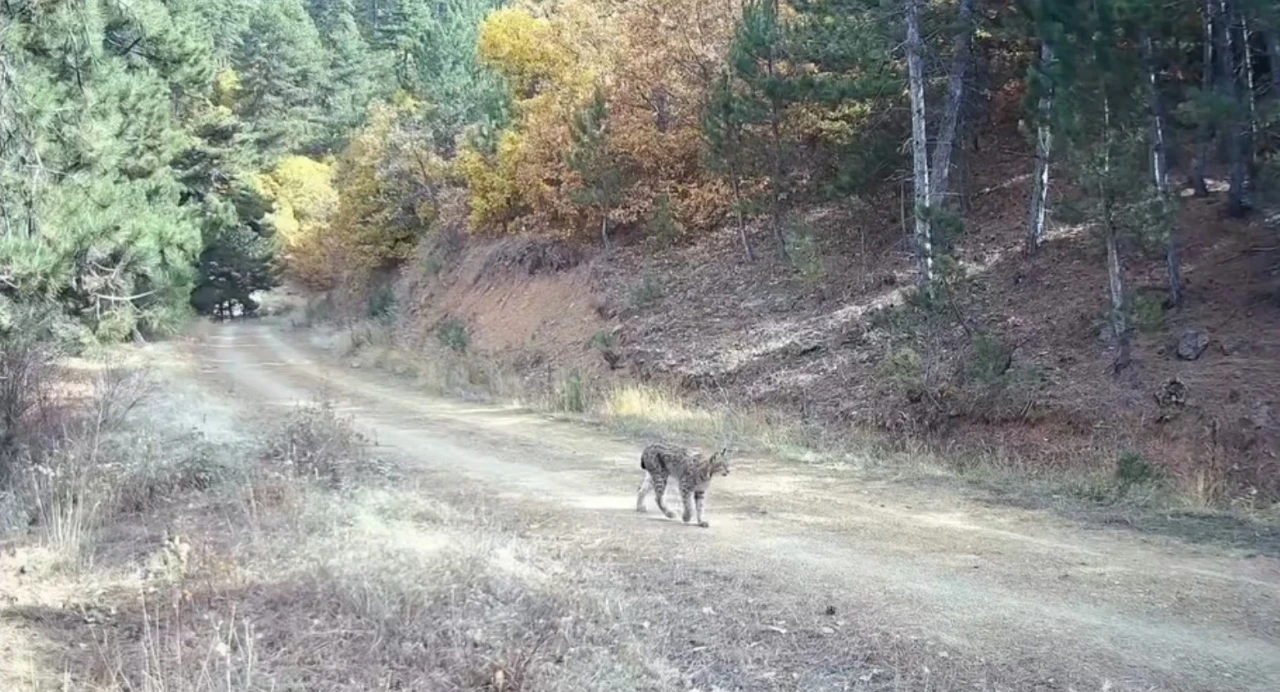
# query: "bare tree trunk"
1160,171
1044,145
1229,74
737,208
604,227
1251,92
919,144
775,131
1204,132
1273,50
942,150
1115,281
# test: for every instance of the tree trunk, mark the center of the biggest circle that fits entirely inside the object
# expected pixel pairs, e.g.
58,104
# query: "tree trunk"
1251,89
775,131
1160,172
1204,132
742,223
919,144
1273,50
1229,77
604,227
1115,281
941,165
1044,145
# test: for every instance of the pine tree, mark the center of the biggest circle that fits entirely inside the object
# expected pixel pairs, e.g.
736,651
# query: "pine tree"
283,72
358,77
724,122
590,157
108,236
756,55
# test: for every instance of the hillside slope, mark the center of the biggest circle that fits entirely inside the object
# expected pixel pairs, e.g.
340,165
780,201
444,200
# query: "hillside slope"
1012,366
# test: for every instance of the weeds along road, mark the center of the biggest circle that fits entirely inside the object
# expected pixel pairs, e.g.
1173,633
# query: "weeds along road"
1023,597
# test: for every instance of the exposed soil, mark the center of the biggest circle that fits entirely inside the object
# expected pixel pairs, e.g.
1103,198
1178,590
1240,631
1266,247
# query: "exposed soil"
807,571
702,318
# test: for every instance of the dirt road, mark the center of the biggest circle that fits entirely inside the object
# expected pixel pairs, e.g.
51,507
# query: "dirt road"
841,562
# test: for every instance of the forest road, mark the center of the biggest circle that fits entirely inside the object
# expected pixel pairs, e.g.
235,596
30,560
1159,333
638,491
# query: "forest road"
1026,592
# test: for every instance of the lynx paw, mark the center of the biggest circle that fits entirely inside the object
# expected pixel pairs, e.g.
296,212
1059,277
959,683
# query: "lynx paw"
671,515
704,524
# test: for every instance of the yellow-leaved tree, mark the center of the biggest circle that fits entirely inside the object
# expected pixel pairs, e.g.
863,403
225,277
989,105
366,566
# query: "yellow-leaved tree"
552,62
304,202
387,181
653,60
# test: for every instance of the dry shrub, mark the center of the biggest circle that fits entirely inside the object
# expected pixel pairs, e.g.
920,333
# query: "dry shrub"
315,442
76,465
27,371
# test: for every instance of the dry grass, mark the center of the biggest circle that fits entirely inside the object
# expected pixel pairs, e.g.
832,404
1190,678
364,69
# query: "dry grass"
239,569
264,574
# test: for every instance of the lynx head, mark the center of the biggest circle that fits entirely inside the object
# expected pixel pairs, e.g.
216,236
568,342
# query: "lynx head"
719,463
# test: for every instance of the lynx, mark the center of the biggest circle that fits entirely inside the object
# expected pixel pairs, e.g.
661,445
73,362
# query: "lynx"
691,469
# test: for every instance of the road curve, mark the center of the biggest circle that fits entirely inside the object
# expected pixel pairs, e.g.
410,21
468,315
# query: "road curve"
1009,587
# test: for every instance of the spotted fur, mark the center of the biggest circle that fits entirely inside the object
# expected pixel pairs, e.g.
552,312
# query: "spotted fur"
692,471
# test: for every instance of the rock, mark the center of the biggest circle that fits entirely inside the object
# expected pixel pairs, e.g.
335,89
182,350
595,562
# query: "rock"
1231,346
1192,343
804,348
1260,415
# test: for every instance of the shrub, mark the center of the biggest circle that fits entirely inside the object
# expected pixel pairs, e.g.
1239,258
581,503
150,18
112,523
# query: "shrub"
603,340
1132,469
990,361
433,265
382,304
315,442
905,368
662,224
646,293
452,334
26,366
806,256
573,396
1147,312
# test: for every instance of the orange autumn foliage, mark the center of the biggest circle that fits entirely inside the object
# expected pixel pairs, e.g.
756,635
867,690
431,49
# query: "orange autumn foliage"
654,60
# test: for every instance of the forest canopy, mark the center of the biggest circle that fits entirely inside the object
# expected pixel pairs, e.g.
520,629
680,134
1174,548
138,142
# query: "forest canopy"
156,155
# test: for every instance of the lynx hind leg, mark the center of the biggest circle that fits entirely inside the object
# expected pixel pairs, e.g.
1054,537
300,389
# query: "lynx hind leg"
699,498
686,499
659,490
646,484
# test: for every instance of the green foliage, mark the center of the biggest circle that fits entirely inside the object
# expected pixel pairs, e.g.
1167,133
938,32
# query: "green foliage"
283,69
590,156
97,220
904,368
990,361
805,254
662,224
433,265
432,44
1132,469
603,340
646,293
452,334
1146,312
573,396
382,304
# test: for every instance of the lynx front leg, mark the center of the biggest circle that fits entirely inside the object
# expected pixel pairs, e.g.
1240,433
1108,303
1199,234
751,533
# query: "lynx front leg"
698,498
659,489
646,484
686,499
